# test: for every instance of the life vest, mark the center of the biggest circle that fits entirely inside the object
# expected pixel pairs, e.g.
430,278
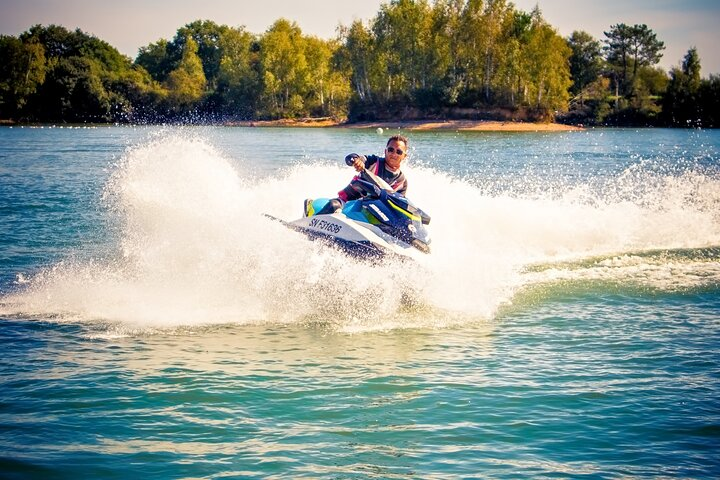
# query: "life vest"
396,181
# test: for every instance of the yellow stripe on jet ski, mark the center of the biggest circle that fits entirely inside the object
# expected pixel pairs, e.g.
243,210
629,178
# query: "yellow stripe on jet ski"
405,212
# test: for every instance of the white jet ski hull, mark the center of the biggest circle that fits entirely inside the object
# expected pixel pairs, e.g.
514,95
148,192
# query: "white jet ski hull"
356,238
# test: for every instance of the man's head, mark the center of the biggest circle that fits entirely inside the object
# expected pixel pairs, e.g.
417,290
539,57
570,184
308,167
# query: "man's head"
395,151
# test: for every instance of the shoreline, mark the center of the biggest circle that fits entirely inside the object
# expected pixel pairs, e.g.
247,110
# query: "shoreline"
468,126
410,125
416,125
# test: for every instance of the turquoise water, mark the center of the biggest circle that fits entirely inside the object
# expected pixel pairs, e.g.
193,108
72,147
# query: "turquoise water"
155,324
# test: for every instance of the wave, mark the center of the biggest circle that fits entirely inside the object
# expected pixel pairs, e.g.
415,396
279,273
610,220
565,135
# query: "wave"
193,247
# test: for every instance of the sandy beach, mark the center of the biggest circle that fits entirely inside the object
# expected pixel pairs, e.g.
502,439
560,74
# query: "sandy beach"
454,125
467,125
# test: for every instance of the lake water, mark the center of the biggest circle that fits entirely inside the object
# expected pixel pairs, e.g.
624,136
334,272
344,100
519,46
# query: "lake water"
154,324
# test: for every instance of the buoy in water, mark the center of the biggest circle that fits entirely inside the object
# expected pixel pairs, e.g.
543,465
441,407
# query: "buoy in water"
379,131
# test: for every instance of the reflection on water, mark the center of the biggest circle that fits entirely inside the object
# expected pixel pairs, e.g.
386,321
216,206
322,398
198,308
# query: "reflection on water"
312,352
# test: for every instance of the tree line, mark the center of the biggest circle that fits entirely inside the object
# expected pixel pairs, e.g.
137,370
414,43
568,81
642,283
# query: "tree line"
414,59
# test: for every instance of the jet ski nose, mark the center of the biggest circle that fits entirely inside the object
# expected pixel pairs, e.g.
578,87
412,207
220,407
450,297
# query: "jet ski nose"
420,245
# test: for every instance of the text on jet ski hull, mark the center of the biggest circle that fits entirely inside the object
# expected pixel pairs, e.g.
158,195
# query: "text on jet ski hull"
325,225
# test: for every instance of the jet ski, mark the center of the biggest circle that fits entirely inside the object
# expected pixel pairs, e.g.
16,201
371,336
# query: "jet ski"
381,223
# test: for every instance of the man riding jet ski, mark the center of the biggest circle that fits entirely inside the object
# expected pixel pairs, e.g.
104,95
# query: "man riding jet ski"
370,218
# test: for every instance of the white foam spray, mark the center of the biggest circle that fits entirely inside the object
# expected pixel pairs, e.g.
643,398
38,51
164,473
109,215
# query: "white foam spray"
195,249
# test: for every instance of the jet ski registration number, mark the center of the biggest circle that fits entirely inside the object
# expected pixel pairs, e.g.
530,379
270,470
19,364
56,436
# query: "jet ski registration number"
325,225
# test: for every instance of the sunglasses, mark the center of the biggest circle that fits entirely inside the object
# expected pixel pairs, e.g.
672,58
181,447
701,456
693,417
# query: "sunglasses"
393,150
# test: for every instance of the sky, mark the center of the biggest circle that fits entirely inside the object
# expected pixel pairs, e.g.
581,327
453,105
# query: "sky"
131,24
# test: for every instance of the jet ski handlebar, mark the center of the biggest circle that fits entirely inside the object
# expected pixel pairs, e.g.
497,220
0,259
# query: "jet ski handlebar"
350,159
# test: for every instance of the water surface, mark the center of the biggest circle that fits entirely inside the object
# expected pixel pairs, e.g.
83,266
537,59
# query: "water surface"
155,324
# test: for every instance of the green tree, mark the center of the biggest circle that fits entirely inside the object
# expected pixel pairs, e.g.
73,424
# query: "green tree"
597,103
403,32
58,41
155,59
327,88
586,61
285,69
681,102
710,100
135,96
229,62
547,62
318,54
237,84
186,83
500,16
691,68
477,42
85,79
72,92
513,74
337,98
485,37
358,55
22,70
455,53
628,49
446,42
208,36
